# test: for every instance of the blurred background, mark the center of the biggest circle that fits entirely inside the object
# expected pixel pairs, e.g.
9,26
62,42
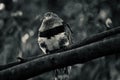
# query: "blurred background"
20,20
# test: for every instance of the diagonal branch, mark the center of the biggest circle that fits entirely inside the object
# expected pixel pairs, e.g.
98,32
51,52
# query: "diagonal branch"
91,39
62,59
96,37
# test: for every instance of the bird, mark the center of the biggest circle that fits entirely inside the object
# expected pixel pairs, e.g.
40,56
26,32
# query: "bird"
54,34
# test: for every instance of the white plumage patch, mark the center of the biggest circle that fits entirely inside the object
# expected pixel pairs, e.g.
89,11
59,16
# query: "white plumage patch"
55,42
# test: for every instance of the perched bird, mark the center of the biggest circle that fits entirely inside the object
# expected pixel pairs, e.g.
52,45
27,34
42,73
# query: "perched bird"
55,34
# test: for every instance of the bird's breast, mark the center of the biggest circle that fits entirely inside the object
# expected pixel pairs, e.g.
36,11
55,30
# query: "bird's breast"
56,42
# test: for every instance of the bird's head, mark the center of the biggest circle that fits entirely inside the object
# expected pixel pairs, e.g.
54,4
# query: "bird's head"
50,20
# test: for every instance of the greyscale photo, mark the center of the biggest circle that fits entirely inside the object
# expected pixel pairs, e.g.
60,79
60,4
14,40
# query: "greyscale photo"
59,40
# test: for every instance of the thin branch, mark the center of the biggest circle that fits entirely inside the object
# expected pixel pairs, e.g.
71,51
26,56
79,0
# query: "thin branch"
60,60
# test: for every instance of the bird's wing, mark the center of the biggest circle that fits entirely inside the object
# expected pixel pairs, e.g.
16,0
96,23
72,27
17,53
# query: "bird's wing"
68,32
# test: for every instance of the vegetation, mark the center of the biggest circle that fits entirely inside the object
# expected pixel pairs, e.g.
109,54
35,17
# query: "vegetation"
20,20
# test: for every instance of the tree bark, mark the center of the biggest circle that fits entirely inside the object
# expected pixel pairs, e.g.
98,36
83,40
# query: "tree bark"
59,60
91,39
96,37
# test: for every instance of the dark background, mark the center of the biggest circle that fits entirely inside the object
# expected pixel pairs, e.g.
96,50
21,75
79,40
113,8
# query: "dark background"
20,20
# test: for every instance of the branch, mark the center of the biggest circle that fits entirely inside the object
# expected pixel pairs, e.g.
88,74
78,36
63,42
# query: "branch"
91,39
60,60
96,37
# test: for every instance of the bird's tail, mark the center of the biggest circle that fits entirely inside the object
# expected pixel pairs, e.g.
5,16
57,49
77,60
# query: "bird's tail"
62,74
